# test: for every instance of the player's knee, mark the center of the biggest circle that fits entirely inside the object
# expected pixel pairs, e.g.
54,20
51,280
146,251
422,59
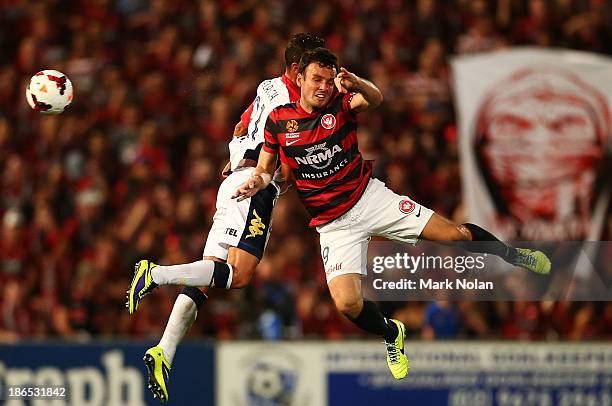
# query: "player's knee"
457,232
463,234
349,306
241,277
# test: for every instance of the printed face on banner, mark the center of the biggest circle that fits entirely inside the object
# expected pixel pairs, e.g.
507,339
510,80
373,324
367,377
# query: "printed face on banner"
540,136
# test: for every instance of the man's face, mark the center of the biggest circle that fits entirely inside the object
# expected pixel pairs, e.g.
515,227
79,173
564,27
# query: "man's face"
317,86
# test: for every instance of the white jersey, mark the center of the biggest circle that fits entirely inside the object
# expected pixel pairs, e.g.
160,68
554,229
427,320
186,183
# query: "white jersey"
271,93
246,224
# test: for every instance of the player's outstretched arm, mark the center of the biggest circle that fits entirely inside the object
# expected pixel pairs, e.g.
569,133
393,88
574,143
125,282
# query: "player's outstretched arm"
261,177
367,95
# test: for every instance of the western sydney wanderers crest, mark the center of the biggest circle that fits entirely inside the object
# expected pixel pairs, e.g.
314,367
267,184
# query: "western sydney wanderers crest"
292,126
328,121
406,206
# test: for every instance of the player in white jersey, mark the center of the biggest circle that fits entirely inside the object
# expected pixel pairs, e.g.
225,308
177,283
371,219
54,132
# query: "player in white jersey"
240,230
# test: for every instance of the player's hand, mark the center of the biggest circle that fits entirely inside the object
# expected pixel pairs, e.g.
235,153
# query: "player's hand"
346,81
249,188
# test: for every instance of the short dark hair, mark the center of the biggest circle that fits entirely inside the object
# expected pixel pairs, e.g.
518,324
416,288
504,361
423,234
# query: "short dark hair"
323,56
300,43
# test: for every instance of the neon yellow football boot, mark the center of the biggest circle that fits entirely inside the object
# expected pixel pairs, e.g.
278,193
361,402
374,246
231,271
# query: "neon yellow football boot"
396,358
535,261
142,284
159,373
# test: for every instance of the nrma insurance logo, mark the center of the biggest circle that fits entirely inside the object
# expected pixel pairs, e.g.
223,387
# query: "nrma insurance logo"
319,156
272,380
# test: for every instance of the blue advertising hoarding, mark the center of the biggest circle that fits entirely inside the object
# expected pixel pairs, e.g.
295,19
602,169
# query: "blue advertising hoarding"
473,389
478,374
317,374
442,373
103,373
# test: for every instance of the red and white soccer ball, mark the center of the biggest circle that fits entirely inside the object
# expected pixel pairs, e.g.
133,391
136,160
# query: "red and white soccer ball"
49,92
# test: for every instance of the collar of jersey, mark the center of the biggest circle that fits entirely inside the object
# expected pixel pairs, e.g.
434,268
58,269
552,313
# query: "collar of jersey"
294,90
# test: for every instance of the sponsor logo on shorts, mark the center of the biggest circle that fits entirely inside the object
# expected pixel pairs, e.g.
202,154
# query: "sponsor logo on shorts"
257,226
328,121
292,126
231,231
325,255
406,206
333,268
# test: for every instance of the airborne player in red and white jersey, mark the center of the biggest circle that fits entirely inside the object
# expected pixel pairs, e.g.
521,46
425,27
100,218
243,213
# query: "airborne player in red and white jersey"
316,138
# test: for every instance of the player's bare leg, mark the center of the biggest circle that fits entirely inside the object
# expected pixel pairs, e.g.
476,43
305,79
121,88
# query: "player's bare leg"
243,264
441,229
346,293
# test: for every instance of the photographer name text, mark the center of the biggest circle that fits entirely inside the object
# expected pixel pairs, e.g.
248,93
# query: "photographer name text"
430,284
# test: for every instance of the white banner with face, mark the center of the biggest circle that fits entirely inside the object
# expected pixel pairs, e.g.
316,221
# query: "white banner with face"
534,127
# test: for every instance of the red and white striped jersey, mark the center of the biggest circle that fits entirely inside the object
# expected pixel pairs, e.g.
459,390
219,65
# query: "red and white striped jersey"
321,149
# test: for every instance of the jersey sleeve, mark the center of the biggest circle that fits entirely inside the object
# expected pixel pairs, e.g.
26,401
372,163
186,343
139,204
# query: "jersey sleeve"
271,144
245,118
346,104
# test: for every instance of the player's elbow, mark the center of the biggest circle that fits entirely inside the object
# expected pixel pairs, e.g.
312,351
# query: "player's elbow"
377,99
374,100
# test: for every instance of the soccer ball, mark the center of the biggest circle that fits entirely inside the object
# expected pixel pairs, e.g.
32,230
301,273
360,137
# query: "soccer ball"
49,92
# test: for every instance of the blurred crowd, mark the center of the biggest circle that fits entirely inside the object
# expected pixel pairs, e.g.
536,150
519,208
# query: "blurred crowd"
132,169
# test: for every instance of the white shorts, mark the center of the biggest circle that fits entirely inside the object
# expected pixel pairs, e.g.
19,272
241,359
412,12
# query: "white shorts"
379,212
244,224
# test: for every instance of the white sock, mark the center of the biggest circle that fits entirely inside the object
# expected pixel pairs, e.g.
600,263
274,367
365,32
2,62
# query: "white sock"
184,313
198,274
